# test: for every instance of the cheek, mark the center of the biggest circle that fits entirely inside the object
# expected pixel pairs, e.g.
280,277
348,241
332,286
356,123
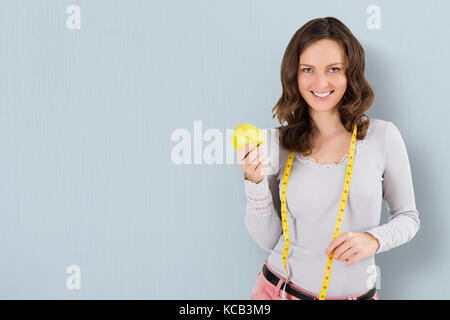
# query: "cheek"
303,84
341,82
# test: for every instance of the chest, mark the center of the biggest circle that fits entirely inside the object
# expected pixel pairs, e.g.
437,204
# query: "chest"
331,149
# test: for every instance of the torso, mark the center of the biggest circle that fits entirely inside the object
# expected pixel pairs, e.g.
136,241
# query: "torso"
332,149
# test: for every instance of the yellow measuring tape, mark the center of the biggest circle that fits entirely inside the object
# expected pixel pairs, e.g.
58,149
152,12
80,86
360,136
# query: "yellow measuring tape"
348,176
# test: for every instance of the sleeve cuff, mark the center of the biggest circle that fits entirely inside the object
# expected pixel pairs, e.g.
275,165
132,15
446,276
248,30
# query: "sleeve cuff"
378,234
256,190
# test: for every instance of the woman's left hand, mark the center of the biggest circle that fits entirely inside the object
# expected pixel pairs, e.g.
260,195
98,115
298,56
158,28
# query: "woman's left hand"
358,245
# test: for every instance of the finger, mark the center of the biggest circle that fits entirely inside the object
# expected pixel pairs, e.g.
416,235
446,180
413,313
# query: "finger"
335,242
252,157
243,153
355,259
256,161
256,164
259,157
348,253
344,246
240,155
260,169
263,163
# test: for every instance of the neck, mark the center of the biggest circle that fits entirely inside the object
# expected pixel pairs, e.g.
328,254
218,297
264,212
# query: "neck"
328,122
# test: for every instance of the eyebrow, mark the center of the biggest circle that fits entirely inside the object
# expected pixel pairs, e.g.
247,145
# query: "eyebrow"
303,64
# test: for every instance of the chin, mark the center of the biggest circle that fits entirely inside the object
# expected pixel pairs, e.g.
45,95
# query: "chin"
320,106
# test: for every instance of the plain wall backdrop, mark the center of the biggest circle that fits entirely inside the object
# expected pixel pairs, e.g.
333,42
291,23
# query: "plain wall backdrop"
86,118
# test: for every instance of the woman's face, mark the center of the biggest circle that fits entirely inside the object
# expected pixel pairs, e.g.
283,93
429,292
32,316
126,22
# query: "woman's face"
322,70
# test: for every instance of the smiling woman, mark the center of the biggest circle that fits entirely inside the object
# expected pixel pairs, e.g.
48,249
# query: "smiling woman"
322,57
318,186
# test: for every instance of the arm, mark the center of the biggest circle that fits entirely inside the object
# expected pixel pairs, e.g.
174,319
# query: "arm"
262,213
263,210
398,192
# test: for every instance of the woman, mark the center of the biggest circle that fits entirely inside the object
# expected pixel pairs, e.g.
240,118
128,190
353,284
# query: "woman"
324,94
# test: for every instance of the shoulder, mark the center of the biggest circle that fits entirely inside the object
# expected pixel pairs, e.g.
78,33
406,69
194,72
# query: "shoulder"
389,137
379,125
386,130
380,129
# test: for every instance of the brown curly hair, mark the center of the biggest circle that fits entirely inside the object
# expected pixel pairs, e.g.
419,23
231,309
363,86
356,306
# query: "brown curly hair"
292,108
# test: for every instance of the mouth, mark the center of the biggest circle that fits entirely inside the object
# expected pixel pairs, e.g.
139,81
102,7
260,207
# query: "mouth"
322,97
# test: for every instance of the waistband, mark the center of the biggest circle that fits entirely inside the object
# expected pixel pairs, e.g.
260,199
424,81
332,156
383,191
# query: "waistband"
296,291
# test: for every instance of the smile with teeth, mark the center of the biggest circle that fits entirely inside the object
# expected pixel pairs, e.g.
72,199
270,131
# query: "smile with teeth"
322,95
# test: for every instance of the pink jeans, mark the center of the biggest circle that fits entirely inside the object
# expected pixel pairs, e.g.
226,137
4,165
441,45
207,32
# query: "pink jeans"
265,290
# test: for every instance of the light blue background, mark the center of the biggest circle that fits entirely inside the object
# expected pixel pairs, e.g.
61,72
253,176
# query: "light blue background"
86,118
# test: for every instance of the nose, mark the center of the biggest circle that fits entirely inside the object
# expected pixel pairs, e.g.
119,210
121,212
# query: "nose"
321,83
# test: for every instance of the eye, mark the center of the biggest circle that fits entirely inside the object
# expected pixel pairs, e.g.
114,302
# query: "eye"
305,69
337,69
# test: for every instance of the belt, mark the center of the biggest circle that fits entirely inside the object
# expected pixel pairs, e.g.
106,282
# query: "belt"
274,279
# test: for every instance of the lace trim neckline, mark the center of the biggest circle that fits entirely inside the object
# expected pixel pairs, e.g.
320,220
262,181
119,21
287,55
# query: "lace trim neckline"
311,162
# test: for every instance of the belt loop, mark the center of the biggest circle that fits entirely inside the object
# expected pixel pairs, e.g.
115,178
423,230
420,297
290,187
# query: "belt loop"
277,288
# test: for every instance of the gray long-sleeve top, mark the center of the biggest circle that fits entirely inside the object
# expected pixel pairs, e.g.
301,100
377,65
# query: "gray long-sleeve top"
381,170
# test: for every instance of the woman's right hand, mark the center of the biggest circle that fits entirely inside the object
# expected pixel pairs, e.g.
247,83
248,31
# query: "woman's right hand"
253,163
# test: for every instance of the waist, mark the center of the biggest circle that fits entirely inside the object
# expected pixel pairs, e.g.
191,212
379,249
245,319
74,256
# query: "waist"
340,286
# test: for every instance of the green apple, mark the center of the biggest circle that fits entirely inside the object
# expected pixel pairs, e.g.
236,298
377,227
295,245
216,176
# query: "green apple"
246,133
